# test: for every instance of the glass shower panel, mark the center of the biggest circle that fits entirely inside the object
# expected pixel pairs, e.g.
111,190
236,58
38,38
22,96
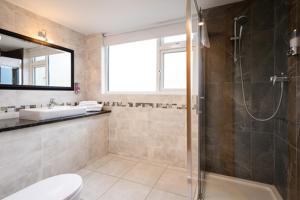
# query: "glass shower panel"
197,109
247,99
200,44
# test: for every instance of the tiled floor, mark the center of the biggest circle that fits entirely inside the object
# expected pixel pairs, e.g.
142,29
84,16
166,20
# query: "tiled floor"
122,178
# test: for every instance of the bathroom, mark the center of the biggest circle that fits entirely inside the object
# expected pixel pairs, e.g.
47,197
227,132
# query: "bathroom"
149,100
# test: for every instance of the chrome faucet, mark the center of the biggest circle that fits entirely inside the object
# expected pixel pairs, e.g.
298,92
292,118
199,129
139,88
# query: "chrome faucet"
52,103
279,78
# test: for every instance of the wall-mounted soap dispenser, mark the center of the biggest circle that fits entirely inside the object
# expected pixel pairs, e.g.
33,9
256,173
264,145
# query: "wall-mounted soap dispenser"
294,44
76,88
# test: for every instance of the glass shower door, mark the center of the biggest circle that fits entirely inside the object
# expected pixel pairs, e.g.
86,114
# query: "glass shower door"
197,41
200,44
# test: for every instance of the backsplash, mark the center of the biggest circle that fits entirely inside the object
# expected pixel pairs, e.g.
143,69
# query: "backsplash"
145,105
107,104
5,109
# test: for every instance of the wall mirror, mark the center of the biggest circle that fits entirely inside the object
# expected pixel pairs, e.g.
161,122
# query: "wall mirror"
28,63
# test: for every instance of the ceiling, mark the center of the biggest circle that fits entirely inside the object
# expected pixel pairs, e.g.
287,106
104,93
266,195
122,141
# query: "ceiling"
111,16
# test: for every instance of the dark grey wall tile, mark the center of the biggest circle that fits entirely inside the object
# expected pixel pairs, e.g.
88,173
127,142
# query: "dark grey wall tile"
298,174
242,155
298,138
292,173
262,14
281,166
242,122
262,46
297,99
236,144
263,157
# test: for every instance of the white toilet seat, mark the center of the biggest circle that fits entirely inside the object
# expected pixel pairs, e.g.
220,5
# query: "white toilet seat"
61,187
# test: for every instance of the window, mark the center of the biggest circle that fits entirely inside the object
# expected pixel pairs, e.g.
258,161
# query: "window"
173,63
59,66
174,70
51,69
132,67
6,75
40,76
40,70
39,58
175,39
157,65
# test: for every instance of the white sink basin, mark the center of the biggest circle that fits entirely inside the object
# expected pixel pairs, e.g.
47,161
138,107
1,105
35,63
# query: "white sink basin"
38,114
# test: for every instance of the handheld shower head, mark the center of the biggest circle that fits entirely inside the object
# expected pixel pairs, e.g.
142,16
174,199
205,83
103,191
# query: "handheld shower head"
241,20
238,22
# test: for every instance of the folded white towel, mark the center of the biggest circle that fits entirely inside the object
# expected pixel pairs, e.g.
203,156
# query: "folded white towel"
94,108
85,103
91,107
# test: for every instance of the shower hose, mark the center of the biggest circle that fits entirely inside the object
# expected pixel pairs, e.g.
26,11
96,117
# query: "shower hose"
239,63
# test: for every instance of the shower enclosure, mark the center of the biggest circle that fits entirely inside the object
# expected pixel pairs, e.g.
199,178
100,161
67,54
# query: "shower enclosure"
247,58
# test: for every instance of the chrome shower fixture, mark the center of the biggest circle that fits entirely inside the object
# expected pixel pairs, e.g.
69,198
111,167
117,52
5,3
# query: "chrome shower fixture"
239,23
279,78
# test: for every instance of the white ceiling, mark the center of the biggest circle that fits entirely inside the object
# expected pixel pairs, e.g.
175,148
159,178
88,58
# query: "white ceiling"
111,16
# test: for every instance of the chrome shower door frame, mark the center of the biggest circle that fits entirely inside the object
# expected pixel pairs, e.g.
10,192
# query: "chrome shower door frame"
188,10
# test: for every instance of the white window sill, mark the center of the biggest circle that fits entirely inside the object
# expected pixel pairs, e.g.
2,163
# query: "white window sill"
179,93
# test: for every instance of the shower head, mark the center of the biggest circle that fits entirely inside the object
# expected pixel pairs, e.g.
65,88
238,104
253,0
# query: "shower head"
239,23
241,20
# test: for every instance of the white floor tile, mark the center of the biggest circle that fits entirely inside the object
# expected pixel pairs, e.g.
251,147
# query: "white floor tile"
116,167
95,185
125,190
100,162
161,195
144,173
174,181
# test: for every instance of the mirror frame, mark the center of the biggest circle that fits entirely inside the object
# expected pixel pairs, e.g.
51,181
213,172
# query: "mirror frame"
44,43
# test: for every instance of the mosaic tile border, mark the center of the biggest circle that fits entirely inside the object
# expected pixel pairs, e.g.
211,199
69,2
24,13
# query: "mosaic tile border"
146,105
5,109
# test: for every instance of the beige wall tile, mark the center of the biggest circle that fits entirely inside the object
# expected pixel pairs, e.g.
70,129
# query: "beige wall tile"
31,154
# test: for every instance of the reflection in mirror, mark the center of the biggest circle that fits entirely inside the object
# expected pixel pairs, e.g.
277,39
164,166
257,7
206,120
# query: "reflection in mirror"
25,63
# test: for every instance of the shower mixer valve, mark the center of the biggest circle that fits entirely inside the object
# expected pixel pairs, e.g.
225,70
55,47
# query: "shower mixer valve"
278,78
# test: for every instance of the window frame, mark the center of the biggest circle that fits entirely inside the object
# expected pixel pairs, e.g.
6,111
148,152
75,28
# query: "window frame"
162,48
38,64
165,48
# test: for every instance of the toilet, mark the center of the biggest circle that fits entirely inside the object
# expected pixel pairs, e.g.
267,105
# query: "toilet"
61,187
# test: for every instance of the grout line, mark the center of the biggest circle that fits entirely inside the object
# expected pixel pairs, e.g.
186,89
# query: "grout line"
166,168
121,178
100,196
153,186
169,167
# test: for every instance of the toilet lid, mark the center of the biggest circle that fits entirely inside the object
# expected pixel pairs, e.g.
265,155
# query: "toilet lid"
61,187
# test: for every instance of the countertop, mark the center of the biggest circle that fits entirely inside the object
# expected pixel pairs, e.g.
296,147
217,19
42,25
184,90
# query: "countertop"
16,123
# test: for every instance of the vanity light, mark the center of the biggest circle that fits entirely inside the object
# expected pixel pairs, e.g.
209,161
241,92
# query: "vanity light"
42,35
201,23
